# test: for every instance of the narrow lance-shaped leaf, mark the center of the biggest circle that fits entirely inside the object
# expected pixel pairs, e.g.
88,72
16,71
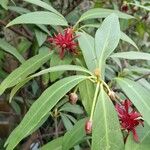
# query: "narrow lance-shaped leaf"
74,136
86,43
132,55
39,17
54,144
106,132
102,13
44,103
51,69
44,5
87,89
141,6
126,38
106,39
10,49
139,96
28,67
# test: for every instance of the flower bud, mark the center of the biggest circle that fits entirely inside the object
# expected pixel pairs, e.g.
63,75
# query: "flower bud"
88,127
73,97
124,7
112,95
97,72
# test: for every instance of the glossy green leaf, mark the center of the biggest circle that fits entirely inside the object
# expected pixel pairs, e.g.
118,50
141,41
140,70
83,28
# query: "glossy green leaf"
51,69
39,17
106,132
144,138
132,55
44,103
106,39
126,38
74,136
55,144
28,67
40,36
86,43
10,49
63,68
86,89
43,5
138,95
102,13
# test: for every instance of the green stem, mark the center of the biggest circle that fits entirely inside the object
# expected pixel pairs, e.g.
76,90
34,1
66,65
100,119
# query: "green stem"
94,100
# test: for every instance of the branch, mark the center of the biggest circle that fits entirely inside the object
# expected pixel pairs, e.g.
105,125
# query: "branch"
16,31
143,76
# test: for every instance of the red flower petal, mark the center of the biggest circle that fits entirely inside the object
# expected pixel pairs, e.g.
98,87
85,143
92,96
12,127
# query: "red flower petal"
135,136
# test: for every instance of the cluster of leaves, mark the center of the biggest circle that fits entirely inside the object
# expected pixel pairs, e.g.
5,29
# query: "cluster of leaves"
101,66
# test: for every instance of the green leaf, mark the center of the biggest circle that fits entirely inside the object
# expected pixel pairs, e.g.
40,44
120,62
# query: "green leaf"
63,68
138,95
51,69
126,38
17,87
66,121
86,43
55,144
10,49
144,137
87,89
40,36
44,5
28,67
44,103
106,133
141,6
76,109
132,55
74,136
56,61
106,39
4,3
102,13
39,17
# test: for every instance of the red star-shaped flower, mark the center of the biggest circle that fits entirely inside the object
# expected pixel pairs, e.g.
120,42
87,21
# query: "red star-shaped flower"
65,42
129,118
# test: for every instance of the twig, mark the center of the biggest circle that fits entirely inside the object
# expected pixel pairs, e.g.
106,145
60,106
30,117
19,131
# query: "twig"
56,127
51,134
17,31
72,8
143,76
9,113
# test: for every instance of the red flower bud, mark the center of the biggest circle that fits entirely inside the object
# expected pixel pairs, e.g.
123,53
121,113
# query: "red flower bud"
124,7
73,97
88,127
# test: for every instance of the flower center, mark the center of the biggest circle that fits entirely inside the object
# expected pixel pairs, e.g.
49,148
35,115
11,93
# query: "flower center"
64,45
